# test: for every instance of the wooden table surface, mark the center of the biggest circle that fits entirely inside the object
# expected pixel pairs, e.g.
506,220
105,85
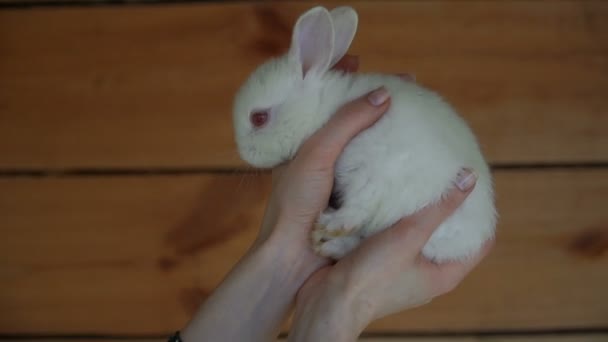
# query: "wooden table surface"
123,202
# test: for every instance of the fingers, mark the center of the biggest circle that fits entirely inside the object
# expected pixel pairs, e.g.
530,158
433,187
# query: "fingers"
407,77
413,232
348,63
326,144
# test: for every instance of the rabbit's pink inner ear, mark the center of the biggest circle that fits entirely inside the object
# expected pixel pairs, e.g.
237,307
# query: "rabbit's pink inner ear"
313,40
345,21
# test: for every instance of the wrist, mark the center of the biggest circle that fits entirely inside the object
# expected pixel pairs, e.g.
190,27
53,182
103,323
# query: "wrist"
346,302
292,256
326,312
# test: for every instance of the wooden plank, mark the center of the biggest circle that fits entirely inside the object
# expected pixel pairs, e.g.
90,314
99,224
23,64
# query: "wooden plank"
136,255
50,2
523,338
532,338
150,86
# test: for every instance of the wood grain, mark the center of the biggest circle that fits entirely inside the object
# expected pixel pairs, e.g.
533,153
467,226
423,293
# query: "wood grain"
523,338
151,86
136,255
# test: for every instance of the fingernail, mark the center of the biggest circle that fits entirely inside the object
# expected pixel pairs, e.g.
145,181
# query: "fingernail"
407,77
378,97
466,179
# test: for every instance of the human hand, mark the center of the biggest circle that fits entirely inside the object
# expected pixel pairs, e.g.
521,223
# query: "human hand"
282,259
302,187
384,275
318,197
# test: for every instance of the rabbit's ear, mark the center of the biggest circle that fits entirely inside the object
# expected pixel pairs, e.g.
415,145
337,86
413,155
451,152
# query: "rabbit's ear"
312,43
345,22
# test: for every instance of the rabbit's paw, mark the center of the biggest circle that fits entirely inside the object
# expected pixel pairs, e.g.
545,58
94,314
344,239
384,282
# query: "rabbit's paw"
336,232
334,247
340,222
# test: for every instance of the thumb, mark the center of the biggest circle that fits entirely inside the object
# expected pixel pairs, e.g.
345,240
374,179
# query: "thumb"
413,232
324,147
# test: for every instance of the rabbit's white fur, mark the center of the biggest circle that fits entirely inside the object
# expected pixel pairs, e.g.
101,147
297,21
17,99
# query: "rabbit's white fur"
406,161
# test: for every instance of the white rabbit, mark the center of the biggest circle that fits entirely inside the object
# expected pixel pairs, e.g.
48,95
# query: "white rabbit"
404,162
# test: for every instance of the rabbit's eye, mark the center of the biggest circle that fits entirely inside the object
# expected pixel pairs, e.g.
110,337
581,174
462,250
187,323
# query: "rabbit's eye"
259,118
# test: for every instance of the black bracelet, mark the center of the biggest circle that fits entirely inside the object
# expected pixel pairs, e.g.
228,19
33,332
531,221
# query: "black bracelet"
175,338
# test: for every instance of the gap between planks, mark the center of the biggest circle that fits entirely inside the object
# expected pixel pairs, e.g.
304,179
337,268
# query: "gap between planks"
600,337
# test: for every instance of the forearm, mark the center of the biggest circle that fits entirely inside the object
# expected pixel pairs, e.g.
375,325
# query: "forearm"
251,303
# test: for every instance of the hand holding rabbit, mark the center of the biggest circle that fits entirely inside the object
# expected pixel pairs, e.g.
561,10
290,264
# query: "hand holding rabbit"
406,161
